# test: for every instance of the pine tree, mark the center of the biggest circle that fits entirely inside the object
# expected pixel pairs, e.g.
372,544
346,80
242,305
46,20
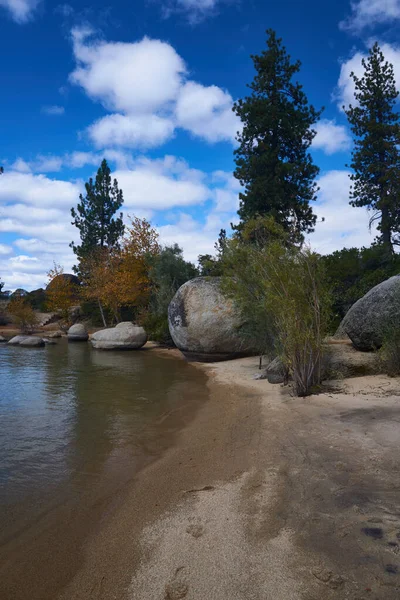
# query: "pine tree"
272,161
376,158
94,216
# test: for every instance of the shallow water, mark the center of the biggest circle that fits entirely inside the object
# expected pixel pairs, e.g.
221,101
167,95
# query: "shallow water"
75,426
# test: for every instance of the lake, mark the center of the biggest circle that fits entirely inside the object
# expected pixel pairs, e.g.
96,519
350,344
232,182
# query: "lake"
76,425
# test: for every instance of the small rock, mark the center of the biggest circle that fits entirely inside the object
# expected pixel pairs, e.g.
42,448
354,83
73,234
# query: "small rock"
16,340
55,334
276,372
2,339
32,342
49,342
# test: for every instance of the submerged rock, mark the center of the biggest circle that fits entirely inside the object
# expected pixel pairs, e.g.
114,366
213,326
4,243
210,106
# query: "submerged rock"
204,324
32,342
78,333
372,315
125,336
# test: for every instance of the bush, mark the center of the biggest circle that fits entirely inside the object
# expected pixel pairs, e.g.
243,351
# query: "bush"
157,329
389,353
23,314
282,292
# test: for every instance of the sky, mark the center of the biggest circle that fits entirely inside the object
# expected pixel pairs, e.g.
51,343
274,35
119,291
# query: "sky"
149,85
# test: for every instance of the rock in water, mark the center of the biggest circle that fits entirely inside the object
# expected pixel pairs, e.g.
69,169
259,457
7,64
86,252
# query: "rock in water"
125,336
369,318
15,341
55,334
204,324
78,333
49,342
32,342
2,339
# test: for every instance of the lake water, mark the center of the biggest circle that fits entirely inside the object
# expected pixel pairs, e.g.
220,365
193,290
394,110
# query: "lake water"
75,426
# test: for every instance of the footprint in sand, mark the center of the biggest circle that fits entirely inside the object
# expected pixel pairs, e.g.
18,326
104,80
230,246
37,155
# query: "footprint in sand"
177,588
196,530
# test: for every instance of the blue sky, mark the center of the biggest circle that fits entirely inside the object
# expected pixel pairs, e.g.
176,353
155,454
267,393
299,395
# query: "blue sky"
149,85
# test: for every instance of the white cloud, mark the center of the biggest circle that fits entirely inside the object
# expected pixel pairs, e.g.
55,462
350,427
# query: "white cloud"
21,166
145,86
37,190
4,249
207,112
331,137
195,10
21,10
190,235
161,185
135,77
37,209
53,110
226,197
369,13
345,89
141,131
344,225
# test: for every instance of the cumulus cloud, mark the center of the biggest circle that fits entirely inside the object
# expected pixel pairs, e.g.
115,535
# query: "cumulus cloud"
344,225
127,77
144,85
331,137
21,10
53,110
206,112
344,93
368,13
37,190
162,185
139,131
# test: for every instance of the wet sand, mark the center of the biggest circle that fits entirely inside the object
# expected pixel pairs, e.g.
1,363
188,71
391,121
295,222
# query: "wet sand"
263,496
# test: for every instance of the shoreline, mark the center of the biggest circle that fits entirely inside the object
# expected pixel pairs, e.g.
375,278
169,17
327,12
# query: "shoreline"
262,496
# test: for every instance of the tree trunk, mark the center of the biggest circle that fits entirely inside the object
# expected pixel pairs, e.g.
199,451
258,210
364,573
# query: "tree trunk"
102,313
386,230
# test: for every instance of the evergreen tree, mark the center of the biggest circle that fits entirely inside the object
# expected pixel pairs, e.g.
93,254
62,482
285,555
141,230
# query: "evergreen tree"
376,158
272,161
94,215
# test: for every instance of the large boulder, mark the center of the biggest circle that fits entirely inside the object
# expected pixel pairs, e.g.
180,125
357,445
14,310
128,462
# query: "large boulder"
204,324
125,336
377,311
78,333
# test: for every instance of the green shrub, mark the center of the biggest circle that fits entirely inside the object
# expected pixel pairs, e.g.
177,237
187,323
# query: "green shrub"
389,352
282,293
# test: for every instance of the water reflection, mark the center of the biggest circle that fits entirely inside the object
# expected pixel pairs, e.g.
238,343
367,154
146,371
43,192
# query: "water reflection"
75,421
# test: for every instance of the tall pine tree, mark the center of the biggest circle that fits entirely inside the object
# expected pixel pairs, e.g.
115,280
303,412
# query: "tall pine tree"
376,158
272,162
95,214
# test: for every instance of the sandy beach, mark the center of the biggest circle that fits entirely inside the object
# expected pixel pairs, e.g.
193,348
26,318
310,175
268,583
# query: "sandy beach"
263,496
